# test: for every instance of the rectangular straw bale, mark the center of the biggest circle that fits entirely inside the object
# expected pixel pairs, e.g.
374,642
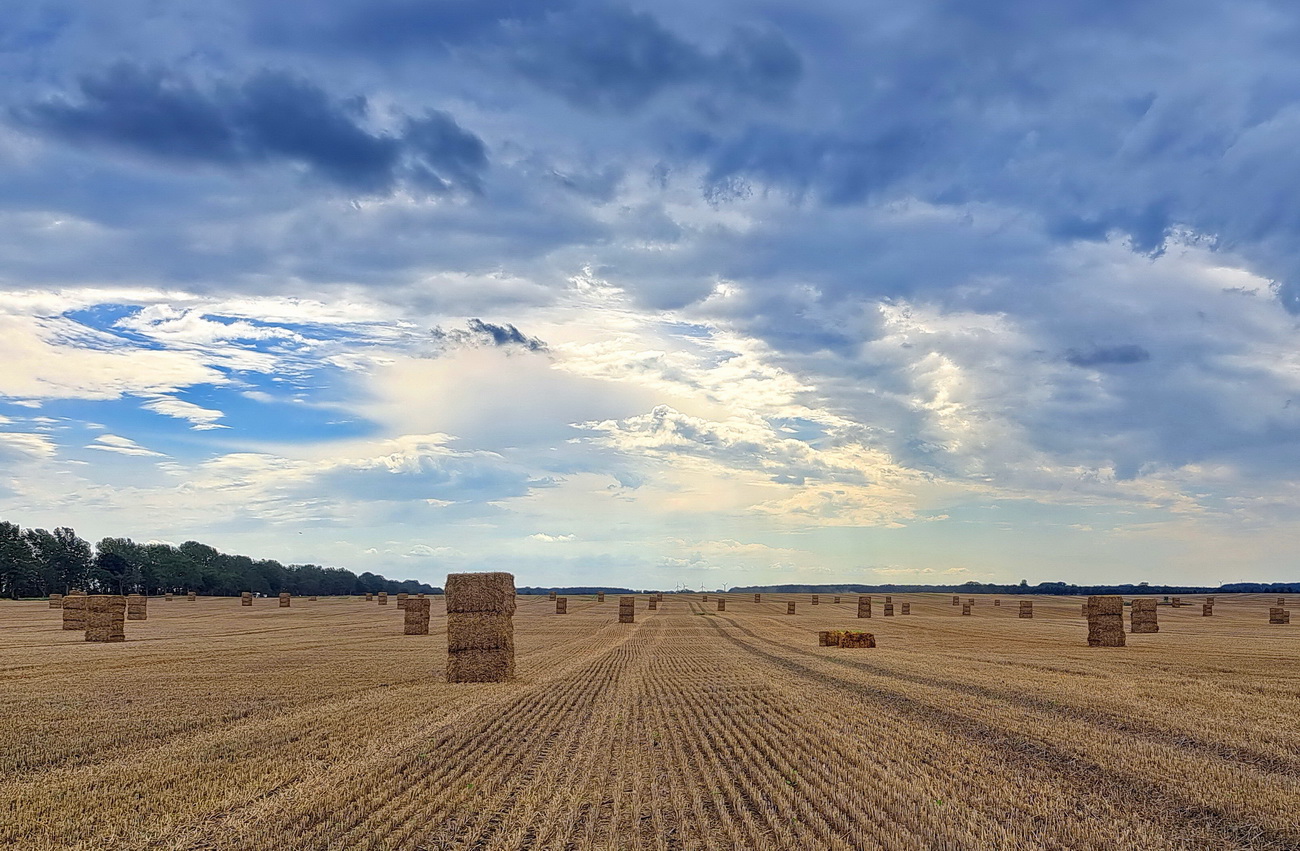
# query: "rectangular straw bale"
888,598
382,598
965,608
1027,609
758,598
1176,602
1142,615
562,605
480,666
627,610
106,617
369,597
706,598
1281,601
551,596
1276,614
416,619
1207,609
814,599
600,596
285,598
789,608
722,604
997,602
837,601
481,592
652,604
823,639
74,612
168,596
956,601
246,598
889,610
192,596
864,607
401,600
56,601
907,608
137,607
311,599
480,631
1106,621
855,640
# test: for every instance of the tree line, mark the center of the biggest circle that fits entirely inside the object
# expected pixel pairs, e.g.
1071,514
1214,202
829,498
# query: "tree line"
37,562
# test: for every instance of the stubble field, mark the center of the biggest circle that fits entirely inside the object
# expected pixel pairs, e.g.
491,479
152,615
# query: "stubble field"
321,726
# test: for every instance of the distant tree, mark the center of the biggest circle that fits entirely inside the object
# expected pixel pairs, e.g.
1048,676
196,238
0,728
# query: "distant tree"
20,572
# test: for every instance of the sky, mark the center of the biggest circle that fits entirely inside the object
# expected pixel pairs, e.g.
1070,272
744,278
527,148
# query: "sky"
659,294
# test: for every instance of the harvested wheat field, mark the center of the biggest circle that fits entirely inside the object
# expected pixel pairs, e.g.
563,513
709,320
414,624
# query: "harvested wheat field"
216,726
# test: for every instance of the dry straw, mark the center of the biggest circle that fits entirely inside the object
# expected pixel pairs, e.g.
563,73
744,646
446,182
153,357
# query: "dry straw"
480,629
854,640
864,607
1027,609
758,598
311,599
814,599
74,611
562,605
837,601
56,601
401,600
789,608
1207,609
626,609
1142,615
907,608
383,598
106,617
416,621
1106,621
369,597
246,598
722,605
956,601
1281,601
965,608
168,596
889,610
889,599
192,596
1276,614
997,602
284,599
137,607
600,596
551,596
652,604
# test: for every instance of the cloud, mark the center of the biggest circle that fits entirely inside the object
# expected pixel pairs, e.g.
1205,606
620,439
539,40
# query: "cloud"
27,444
552,539
122,446
480,333
200,418
271,117
1106,355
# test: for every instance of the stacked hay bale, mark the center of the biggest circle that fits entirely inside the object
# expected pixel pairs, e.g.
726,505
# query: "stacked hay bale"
864,607
1210,600
837,600
653,604
137,607
855,640
722,604
971,601
246,598
907,608
56,601
1176,602
830,638
106,617
551,596
706,598
600,596
997,602
562,605
168,596
758,598
284,599
480,629
416,620
401,600
369,597
383,598
814,599
1083,610
627,609
889,599
956,601
1142,615
74,611
1027,609
889,609
660,596
965,608
1106,621
1277,614
192,596
1207,609
1281,601
789,608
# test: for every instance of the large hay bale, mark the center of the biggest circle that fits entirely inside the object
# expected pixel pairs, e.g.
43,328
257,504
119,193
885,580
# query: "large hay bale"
56,601
1281,601
285,599
311,599
758,598
401,600
1142,615
369,597
722,604
246,598
1210,600
106,617
1276,614
1176,602
1083,610
562,605
652,604
907,608
383,598
997,602
168,596
823,639
864,607
814,599
192,596
74,612
600,596
1027,609
480,628
137,607
706,598
965,608
888,598
416,619
854,640
789,608
627,609
1106,621
550,595
1207,609
956,601
889,610
837,600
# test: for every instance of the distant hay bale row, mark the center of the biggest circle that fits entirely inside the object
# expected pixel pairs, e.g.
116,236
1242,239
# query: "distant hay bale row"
1275,615
627,609
246,598
562,605
106,618
864,607
285,599
1105,621
74,612
480,629
137,607
1142,615
56,601
846,638
1027,609
416,619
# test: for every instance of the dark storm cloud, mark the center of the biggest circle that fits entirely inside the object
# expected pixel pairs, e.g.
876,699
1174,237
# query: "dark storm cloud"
271,117
480,333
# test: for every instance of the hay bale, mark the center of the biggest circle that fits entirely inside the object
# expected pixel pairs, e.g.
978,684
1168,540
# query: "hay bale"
1176,602
74,612
311,599
889,599
956,601
627,609
285,599
382,598
1083,610
1027,609
889,610
1281,601
823,639
480,628
722,604
1210,600
864,607
550,595
168,596
1276,614
1142,615
246,598
854,640
369,597
814,599
965,608
416,619
997,602
600,596
837,601
1207,609
789,608
562,605
192,596
106,617
706,598
401,600
137,607
56,601
1106,621
758,598
907,608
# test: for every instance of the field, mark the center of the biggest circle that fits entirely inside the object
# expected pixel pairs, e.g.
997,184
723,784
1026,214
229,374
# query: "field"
323,727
